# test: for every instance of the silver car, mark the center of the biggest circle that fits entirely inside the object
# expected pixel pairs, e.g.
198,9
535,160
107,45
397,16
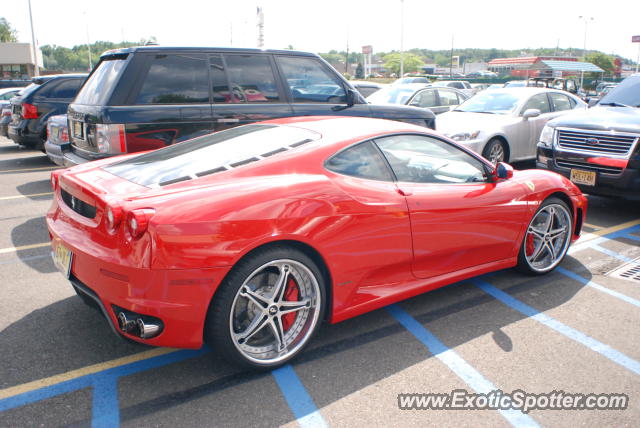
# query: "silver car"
438,100
504,125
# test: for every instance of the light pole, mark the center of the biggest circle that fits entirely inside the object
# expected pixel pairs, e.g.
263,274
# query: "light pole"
401,39
36,72
584,47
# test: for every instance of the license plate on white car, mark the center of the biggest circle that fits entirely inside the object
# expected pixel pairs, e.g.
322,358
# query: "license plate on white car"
580,176
62,258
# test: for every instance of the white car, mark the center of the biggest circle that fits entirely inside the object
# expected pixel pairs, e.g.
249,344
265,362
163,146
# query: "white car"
504,125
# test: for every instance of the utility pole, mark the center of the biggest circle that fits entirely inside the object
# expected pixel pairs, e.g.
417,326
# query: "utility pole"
451,59
401,39
584,46
33,41
260,28
86,22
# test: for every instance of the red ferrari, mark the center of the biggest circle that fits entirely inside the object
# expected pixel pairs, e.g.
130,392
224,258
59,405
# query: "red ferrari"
250,237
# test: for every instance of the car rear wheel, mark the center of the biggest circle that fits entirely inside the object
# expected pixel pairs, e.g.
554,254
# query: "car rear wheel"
267,309
547,238
495,151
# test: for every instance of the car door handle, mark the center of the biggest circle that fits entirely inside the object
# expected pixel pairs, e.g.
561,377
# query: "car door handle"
404,192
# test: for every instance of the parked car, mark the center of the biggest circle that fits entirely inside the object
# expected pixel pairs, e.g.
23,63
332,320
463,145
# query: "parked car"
479,87
6,94
47,96
461,85
598,149
406,80
5,118
481,74
504,124
57,138
149,97
5,108
14,83
251,237
438,100
366,87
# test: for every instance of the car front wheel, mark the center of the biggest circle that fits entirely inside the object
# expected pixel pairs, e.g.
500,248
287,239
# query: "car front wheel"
267,309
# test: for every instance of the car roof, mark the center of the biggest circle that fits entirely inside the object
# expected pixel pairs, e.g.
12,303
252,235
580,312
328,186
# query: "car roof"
201,49
42,79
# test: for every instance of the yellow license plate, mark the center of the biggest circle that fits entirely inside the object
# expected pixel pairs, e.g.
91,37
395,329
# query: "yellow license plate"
77,129
62,258
579,176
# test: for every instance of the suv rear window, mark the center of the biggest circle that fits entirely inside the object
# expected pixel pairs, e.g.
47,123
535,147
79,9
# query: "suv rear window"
176,79
101,81
210,154
65,89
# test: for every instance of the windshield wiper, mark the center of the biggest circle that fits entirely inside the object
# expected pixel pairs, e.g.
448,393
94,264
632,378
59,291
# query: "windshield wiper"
614,104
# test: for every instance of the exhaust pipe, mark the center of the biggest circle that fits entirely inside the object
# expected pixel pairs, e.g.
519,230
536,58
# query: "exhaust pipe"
147,331
125,323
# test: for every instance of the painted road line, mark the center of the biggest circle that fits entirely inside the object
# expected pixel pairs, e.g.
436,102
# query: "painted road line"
613,233
635,238
297,397
105,403
573,334
24,247
24,259
598,287
30,169
457,364
608,231
610,253
5,198
73,374
592,226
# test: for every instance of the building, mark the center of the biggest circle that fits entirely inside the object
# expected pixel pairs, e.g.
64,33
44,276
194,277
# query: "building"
530,66
17,61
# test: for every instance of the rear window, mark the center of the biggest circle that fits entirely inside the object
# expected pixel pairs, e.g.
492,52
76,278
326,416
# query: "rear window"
101,81
210,154
65,89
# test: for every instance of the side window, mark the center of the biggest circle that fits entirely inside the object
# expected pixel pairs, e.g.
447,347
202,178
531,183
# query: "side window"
540,102
448,98
309,81
66,89
561,102
252,79
362,160
425,98
175,79
219,84
422,159
457,85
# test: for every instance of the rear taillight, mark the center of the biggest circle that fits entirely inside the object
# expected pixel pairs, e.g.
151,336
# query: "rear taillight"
110,138
64,135
138,221
29,111
55,175
113,217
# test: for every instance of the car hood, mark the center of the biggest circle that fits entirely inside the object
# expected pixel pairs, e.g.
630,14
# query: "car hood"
460,121
621,119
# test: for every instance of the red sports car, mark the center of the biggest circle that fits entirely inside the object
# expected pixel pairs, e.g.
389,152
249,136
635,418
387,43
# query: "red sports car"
248,238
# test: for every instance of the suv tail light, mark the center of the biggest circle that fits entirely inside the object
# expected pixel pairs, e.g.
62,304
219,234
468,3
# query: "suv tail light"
29,111
111,139
138,221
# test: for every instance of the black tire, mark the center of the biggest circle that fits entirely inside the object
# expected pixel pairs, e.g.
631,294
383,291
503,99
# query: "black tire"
495,151
234,303
546,241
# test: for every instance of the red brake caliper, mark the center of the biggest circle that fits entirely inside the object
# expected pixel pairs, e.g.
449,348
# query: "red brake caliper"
530,244
291,294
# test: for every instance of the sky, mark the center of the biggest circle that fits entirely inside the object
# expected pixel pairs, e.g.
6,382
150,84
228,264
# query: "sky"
319,26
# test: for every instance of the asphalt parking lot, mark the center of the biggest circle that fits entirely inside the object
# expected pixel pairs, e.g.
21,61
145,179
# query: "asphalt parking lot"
574,330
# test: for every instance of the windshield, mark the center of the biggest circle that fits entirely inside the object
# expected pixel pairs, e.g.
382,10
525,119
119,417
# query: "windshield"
627,93
490,102
210,154
391,95
98,86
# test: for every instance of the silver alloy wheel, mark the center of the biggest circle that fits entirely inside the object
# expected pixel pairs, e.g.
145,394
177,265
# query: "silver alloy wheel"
496,154
548,237
266,326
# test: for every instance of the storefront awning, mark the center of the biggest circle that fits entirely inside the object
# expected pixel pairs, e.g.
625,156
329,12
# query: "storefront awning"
569,66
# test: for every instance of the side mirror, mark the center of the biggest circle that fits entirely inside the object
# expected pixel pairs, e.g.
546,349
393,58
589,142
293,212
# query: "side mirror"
503,170
352,96
593,101
529,113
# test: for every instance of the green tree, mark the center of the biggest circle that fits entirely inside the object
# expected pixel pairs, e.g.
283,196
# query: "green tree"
7,33
360,71
603,61
412,62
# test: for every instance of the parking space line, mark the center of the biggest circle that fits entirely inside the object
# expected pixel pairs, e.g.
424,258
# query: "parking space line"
598,287
30,169
573,334
456,363
592,226
608,231
297,397
23,247
612,233
5,198
610,253
105,404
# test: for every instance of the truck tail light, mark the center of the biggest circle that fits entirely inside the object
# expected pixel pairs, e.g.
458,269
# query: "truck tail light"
138,221
111,138
29,111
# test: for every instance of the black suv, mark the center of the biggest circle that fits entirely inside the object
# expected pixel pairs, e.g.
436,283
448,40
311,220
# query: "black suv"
599,148
45,97
149,97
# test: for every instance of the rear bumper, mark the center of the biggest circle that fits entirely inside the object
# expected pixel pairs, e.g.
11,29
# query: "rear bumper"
178,297
624,184
55,152
20,134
